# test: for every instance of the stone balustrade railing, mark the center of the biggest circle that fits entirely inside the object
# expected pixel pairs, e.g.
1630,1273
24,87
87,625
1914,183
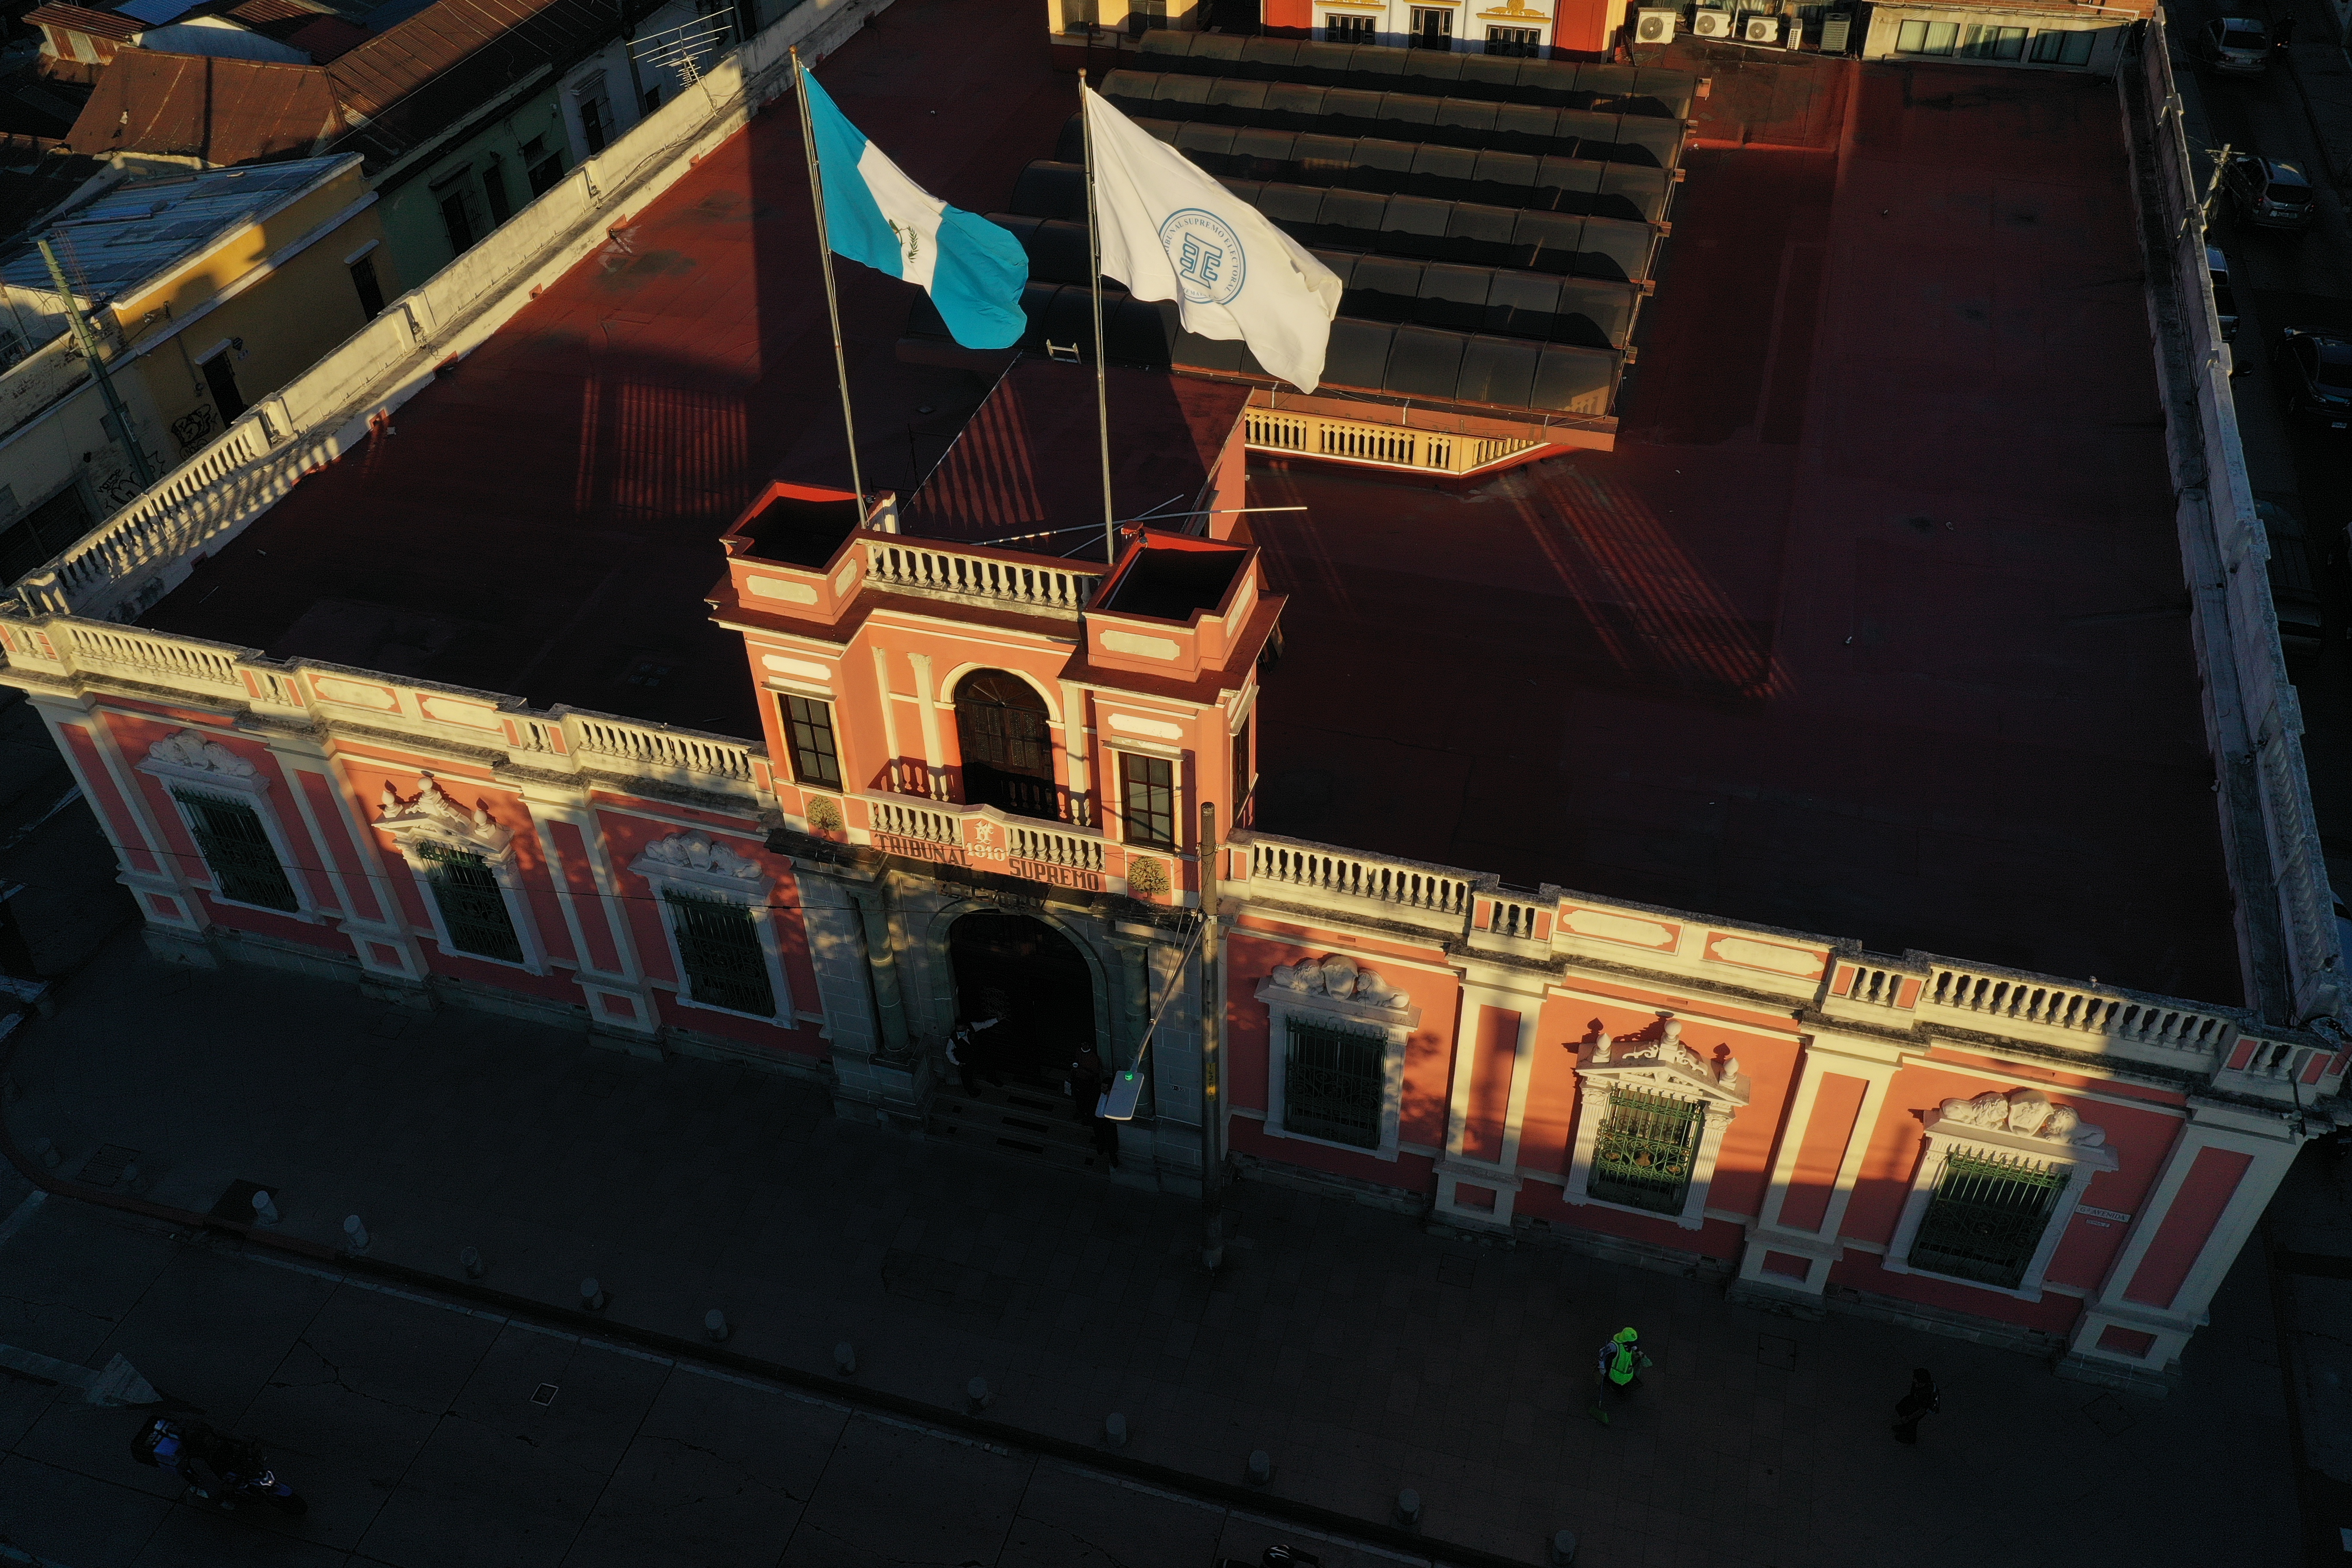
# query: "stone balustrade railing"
978,573
225,677
1282,864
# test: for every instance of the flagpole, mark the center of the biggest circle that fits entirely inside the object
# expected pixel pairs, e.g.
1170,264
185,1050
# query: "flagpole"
1102,380
825,258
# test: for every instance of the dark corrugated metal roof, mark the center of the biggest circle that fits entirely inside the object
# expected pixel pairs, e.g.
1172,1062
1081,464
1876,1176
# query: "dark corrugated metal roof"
222,111
524,33
80,19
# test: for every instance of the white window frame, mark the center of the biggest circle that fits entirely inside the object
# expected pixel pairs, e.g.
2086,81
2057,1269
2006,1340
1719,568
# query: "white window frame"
1289,998
699,864
1175,761
433,816
1945,1132
1663,1066
196,759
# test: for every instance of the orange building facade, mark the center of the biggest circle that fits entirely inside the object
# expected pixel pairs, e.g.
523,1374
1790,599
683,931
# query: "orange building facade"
981,792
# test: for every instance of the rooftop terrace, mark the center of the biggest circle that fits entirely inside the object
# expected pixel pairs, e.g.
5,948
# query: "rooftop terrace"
1872,625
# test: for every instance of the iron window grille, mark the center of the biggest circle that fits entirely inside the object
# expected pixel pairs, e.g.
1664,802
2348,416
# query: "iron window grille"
473,907
1147,793
1348,30
236,848
1334,1082
1644,1150
808,725
1987,1218
718,944
1520,42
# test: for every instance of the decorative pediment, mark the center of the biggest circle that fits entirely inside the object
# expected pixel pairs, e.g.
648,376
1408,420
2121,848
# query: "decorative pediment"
1338,985
1657,1058
695,859
2024,1121
432,813
192,754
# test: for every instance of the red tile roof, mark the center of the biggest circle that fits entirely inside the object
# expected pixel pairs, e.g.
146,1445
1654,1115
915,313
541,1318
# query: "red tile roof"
222,111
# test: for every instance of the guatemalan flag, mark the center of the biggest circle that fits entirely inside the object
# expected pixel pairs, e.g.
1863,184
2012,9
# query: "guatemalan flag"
972,269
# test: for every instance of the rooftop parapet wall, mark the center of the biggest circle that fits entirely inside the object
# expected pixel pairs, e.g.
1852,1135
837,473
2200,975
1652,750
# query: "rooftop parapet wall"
143,552
2288,935
1280,881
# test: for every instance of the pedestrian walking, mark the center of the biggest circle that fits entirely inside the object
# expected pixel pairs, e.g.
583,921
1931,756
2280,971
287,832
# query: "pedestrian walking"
966,1054
2283,31
1086,1084
1915,1406
1618,1371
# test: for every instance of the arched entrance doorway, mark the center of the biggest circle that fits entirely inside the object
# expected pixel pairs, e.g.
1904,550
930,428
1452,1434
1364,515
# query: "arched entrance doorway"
1007,745
1035,979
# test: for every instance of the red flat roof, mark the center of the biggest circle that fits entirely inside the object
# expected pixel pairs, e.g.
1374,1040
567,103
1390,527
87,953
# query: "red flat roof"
1872,625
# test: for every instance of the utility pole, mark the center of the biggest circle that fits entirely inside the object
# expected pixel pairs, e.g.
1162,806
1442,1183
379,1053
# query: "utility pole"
1213,1239
2221,156
88,338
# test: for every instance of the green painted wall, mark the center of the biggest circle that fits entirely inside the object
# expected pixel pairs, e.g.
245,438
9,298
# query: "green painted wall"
416,230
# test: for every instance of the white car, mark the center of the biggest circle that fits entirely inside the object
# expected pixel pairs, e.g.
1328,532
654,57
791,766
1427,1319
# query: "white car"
2239,44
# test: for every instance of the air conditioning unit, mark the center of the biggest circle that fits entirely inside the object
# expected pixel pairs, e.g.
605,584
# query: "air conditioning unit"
1759,29
1706,22
1655,27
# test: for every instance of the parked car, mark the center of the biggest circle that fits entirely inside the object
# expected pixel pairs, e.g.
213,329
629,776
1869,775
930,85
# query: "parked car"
2225,304
2316,367
2303,627
2239,44
2268,192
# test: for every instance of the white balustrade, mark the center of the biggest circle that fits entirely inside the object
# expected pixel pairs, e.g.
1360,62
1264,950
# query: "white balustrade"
936,568
1324,870
1054,846
1516,918
901,820
659,747
2013,997
91,643
1875,986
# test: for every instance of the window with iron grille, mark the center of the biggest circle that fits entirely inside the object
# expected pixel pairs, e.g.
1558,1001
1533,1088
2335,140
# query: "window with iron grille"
236,848
1147,793
1334,1084
1987,1216
808,727
1519,41
1645,1150
473,907
1338,30
718,943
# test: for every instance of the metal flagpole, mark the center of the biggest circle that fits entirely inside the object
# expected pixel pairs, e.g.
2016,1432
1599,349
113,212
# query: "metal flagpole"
1102,381
825,258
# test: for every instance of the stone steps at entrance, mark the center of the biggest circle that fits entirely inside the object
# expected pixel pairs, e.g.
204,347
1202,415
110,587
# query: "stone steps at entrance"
1033,1124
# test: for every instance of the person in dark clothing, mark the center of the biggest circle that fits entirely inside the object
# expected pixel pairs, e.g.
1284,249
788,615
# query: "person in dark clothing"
1915,1406
1086,1084
970,1058
2283,31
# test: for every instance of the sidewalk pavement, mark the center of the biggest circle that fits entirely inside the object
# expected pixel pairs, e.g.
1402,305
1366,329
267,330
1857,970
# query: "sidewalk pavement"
2320,69
1363,1353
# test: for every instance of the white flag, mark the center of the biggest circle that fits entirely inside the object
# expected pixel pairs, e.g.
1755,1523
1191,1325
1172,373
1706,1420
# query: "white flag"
1171,232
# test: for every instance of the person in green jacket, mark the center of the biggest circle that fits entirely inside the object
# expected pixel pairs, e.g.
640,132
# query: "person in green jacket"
1618,1370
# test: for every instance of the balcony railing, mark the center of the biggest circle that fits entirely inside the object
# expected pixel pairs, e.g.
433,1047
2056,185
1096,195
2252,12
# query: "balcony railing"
975,573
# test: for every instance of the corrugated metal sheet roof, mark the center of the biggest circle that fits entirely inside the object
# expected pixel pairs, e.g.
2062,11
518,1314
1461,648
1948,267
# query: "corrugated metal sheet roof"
325,38
390,67
224,111
139,229
81,19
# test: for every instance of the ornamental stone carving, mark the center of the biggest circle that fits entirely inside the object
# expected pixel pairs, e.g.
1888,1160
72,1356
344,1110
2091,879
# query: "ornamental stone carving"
1663,1058
2023,1113
697,852
433,812
1340,977
196,753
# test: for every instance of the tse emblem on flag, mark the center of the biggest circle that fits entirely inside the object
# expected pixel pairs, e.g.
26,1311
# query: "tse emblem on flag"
1209,262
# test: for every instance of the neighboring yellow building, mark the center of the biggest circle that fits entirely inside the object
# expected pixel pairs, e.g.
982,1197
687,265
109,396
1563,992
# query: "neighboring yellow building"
208,290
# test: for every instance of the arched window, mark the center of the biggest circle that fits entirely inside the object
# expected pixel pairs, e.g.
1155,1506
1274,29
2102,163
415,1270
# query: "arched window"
1008,750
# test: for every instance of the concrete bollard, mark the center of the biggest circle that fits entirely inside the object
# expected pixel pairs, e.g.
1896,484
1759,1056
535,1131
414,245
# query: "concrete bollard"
976,1396
355,1234
47,1152
845,1358
1408,1509
1115,1429
1563,1549
265,1211
1261,1467
592,1295
714,1323
470,1260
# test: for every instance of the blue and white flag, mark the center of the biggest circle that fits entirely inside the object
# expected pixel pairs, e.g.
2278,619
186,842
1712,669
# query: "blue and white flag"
972,269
